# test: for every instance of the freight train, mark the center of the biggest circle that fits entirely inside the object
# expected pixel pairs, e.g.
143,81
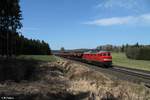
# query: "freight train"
101,58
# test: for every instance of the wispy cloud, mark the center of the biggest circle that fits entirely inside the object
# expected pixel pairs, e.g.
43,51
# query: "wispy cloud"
141,19
29,28
117,3
132,5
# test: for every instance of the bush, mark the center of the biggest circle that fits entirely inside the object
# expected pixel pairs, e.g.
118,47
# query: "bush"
138,53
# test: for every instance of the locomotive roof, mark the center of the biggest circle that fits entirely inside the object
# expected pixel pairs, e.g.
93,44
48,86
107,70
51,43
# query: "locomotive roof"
94,52
103,51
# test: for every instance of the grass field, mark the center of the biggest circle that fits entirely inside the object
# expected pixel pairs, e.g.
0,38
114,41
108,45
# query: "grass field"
120,59
47,58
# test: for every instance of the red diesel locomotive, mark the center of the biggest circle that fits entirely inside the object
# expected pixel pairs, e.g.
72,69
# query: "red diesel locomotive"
102,58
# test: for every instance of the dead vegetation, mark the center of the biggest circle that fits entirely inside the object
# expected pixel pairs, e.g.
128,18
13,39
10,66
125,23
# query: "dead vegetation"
65,80
47,82
101,87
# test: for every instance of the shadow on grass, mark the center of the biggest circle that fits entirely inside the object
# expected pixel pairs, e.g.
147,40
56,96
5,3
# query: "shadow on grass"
17,69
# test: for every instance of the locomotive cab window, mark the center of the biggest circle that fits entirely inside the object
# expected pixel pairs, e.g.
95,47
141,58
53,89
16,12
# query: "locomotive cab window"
104,54
109,54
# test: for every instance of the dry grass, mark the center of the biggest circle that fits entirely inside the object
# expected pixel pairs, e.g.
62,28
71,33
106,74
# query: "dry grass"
49,85
65,80
101,87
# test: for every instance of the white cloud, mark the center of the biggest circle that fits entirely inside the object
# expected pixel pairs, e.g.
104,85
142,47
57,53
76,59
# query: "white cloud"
141,19
30,28
110,21
145,17
118,3
129,5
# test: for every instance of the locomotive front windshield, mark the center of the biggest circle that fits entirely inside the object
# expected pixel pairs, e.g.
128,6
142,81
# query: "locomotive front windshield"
106,54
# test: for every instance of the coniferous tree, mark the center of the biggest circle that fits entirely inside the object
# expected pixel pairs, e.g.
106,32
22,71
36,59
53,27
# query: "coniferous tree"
31,46
10,16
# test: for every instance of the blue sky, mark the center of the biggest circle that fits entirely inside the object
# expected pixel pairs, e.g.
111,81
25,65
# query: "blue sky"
86,23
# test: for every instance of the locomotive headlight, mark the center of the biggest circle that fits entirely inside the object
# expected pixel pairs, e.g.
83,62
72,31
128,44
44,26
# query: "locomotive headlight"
107,59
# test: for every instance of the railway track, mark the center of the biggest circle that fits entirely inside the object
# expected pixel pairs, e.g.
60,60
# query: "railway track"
135,73
122,73
142,76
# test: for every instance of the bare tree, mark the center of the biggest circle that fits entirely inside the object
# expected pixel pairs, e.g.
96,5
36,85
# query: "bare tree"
62,49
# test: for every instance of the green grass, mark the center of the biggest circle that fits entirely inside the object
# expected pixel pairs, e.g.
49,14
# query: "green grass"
120,59
46,58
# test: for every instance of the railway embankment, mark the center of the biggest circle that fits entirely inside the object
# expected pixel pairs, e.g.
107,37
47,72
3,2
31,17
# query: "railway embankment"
84,79
67,80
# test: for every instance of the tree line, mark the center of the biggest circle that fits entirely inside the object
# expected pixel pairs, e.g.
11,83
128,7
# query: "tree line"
138,52
135,51
31,46
11,43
